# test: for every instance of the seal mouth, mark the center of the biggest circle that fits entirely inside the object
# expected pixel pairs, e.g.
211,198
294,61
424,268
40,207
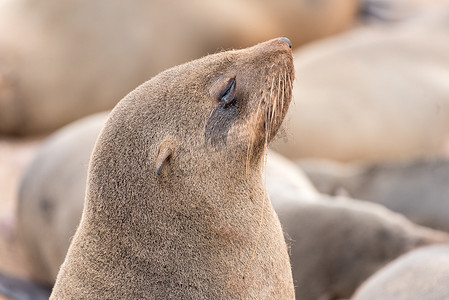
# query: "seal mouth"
272,107
274,102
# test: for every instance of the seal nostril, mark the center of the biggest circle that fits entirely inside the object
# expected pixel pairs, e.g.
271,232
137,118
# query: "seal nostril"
287,41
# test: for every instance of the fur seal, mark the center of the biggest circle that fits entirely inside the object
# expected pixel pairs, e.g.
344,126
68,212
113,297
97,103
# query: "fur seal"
285,180
15,155
416,189
41,43
358,84
420,274
175,206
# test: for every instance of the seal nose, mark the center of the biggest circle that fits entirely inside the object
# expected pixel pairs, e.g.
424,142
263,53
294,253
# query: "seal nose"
287,41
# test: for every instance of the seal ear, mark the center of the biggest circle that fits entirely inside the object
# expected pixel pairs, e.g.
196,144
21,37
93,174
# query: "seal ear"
166,150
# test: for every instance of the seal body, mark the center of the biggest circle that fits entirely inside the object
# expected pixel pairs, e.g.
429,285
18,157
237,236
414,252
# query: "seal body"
399,186
51,196
363,237
420,274
175,205
349,104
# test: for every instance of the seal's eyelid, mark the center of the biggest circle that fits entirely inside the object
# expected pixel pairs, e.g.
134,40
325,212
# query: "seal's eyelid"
228,95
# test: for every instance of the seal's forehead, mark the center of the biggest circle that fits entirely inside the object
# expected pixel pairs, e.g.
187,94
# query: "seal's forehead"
197,67
202,72
216,62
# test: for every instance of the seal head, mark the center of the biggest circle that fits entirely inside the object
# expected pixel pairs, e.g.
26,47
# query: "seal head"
175,203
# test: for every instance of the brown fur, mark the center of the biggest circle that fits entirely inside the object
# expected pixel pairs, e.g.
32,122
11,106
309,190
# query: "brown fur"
416,189
53,187
421,274
190,231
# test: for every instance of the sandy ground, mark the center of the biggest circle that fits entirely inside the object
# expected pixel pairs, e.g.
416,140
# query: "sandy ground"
15,154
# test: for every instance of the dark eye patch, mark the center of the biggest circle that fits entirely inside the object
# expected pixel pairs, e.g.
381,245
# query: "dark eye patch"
223,116
228,96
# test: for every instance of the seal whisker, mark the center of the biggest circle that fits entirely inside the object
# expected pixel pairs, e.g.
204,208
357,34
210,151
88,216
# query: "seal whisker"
277,104
283,91
274,103
267,116
290,82
252,137
271,97
273,107
249,152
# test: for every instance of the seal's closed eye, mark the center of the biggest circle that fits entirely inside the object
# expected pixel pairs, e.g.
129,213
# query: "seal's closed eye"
228,96
224,115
